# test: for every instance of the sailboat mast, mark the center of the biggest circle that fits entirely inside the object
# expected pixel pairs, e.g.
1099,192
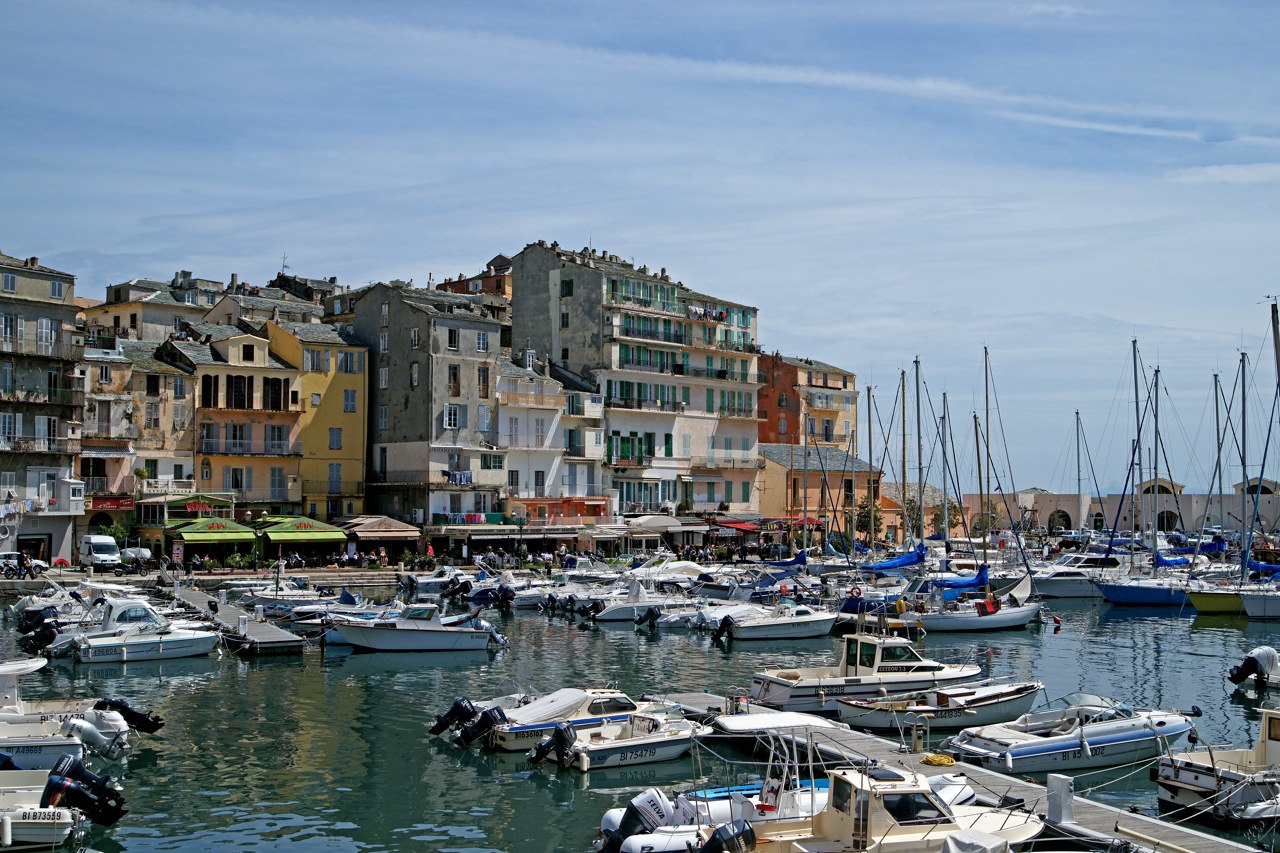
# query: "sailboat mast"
1244,457
1081,509
919,460
946,515
902,479
986,499
871,493
1155,460
986,519
804,518
1138,517
853,491
1217,430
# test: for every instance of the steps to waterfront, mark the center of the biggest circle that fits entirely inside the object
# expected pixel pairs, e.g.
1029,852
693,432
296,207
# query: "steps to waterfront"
1090,819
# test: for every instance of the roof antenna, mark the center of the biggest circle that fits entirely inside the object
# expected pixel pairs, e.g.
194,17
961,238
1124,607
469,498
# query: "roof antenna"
283,265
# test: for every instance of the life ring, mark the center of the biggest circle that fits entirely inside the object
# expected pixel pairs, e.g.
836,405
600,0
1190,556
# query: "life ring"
856,592
4,531
784,589
61,563
1001,543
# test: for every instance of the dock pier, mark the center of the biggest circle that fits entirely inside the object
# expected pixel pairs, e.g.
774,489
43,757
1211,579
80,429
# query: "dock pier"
1065,811
242,633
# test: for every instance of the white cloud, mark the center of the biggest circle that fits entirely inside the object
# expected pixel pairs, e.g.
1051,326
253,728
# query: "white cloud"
1242,173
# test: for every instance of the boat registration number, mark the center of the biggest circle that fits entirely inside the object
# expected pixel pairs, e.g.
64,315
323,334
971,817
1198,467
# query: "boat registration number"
1093,750
60,718
103,652
26,750
44,814
638,754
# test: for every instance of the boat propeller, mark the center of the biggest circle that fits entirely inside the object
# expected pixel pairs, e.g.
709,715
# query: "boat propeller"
462,711
143,721
87,733
70,785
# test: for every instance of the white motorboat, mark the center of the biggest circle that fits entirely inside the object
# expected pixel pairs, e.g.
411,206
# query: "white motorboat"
140,633
991,613
1079,731
639,602
955,707
868,664
642,738
41,808
785,621
108,618
419,628
651,823
1073,575
1223,784
111,717
516,723
878,808
706,616
38,746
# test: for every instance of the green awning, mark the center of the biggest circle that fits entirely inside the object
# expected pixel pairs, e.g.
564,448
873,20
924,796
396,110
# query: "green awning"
215,536
306,535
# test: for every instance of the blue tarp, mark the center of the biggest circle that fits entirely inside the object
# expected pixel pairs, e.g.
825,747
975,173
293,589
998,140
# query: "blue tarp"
1263,568
800,559
831,550
1176,561
980,579
915,558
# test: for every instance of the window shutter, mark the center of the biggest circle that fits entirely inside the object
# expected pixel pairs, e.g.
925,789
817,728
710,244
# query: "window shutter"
462,417
248,479
226,479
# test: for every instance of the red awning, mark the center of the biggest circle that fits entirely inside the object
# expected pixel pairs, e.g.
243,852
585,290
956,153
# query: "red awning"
744,526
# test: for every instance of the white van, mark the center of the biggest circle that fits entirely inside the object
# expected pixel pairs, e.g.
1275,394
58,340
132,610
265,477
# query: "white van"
100,552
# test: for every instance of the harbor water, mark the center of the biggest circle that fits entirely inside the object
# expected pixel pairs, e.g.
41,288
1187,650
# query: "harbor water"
331,751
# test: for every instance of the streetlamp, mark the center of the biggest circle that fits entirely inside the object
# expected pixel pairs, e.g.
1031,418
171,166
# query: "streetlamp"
521,521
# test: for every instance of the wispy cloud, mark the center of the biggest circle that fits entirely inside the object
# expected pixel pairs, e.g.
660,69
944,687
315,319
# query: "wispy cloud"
1242,173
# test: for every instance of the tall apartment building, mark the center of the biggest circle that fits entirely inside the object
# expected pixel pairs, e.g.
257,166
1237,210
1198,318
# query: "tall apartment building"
333,424
41,409
247,408
803,390
433,431
677,370
106,452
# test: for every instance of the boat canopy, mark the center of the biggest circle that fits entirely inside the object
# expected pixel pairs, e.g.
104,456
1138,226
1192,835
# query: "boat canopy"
913,558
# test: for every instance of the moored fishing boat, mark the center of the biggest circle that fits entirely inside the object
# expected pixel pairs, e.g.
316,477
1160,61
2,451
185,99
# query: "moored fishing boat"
786,621
641,738
867,665
958,706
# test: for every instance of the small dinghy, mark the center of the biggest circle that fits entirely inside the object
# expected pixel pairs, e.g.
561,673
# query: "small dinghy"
642,738
1080,731
959,706
785,621
419,628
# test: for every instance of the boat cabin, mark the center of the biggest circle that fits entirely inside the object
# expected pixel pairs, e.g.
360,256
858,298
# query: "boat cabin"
864,655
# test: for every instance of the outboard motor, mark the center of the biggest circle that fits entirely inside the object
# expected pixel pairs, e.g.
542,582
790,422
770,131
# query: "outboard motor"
461,712
651,616
571,602
100,785
724,629
481,726
461,589
95,741
506,595
736,837
39,639
550,603
645,813
33,619
1259,663
561,739
68,793
595,609
143,721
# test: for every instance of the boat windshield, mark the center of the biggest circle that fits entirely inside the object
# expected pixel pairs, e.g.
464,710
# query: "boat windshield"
1086,700
420,613
898,654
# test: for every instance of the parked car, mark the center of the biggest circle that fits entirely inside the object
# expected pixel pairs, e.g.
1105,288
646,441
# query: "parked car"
15,557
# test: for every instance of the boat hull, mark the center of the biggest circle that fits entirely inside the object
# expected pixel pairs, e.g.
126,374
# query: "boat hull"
904,714
155,647
1052,755
390,639
631,751
784,629
1144,595
1225,603
970,620
819,695
1261,605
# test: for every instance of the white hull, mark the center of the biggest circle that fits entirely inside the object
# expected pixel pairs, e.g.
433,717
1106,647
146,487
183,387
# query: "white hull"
1262,606
820,695
391,639
177,644
1006,703
1065,587
970,620
793,628
40,753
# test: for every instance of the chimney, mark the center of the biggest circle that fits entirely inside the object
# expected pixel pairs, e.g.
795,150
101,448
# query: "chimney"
32,263
333,279
235,280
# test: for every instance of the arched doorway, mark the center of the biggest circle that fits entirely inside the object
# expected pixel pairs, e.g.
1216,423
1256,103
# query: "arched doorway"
1098,521
99,520
1059,519
1166,520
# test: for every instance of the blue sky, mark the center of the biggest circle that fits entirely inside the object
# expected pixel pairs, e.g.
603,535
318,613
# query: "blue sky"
883,179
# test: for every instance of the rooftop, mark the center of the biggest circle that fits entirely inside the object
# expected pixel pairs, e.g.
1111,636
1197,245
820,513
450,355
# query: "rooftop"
32,264
819,458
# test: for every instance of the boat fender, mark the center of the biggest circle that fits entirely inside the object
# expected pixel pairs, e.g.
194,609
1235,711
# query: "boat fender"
856,592
143,721
584,762
646,812
68,793
481,726
462,711
736,837
95,741
1008,761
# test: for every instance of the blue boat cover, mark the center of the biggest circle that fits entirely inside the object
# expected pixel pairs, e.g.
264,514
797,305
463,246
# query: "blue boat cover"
1176,561
914,558
800,559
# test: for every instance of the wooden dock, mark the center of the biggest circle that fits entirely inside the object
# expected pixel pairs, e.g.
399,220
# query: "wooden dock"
1081,817
239,629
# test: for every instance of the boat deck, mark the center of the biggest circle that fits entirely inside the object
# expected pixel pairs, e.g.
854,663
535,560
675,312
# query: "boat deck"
258,638
1092,819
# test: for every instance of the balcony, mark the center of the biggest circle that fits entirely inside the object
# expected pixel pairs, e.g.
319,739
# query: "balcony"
724,345
674,308
582,490
109,485
624,331
532,401
412,477
343,488
725,375
247,406
467,518
46,396
527,442
67,350
568,520
746,413
117,432
168,486
722,463
239,447
38,444
704,506
289,494
591,407
640,461
645,405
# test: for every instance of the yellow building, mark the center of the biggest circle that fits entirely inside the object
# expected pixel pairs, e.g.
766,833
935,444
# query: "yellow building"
333,421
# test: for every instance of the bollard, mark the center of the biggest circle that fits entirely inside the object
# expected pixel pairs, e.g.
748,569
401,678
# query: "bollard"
222,596
259,614
243,626
1062,791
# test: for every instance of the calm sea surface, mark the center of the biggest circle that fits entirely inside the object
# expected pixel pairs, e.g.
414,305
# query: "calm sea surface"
331,752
